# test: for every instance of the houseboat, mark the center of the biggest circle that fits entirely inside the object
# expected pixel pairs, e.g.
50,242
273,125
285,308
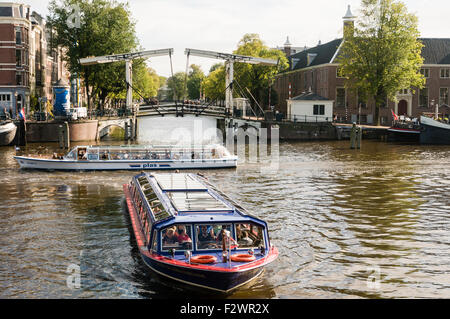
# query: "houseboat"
189,231
136,157
434,132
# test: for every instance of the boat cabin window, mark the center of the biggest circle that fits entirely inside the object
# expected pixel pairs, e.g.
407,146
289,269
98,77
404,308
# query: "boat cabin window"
209,236
82,153
249,235
177,237
92,154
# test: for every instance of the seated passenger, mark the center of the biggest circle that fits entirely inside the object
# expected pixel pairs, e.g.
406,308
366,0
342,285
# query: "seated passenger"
170,237
206,235
245,240
183,237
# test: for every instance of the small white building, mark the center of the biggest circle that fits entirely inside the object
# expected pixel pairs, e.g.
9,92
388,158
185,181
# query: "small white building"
309,107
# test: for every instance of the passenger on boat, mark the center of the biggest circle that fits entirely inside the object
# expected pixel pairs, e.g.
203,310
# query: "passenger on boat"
167,154
206,235
170,237
183,237
105,155
245,240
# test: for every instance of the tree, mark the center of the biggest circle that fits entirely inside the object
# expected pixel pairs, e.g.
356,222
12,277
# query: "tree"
176,84
382,54
194,82
106,28
257,78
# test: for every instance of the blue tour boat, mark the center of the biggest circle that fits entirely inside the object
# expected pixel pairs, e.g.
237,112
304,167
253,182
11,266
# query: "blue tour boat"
188,230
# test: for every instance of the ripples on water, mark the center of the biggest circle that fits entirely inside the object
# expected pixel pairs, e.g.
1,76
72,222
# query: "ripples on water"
338,216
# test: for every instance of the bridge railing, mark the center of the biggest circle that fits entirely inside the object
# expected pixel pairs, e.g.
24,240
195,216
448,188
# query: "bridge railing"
179,108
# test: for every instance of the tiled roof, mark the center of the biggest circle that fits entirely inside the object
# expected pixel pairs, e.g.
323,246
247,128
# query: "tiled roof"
309,96
436,51
320,54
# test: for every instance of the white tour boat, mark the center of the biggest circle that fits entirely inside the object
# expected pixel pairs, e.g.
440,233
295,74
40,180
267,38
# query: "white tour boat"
134,157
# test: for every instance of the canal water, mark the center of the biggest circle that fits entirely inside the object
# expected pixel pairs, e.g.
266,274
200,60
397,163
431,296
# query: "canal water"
370,223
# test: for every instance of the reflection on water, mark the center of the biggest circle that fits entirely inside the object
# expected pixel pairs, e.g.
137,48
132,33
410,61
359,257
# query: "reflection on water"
367,223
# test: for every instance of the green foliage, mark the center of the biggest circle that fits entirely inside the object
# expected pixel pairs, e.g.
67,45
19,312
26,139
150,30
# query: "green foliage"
257,78
383,55
194,82
214,84
106,28
176,84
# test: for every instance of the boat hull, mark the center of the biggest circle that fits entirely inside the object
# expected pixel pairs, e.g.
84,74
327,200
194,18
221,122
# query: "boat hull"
7,133
403,135
52,164
213,280
434,132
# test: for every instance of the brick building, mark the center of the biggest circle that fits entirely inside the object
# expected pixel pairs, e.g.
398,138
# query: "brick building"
315,69
28,66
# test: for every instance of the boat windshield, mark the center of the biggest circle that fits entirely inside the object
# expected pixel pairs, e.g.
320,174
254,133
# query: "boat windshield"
249,235
176,237
71,154
209,236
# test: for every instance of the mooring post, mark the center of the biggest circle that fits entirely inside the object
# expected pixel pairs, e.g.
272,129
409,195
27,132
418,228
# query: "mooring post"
359,138
353,136
127,131
64,135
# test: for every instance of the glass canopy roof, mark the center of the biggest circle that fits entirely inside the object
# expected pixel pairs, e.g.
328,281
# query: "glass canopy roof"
178,182
196,202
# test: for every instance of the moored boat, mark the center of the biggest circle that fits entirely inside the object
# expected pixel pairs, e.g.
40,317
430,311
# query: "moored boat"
7,132
404,131
133,158
434,132
189,231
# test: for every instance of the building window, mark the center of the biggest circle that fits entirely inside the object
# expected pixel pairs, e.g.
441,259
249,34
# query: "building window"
340,97
423,97
18,36
18,58
19,79
319,110
339,72
5,97
425,73
404,92
383,120
445,73
443,96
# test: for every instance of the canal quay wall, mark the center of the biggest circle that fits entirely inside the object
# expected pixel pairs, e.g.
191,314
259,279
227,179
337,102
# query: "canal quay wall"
85,130
90,130
325,131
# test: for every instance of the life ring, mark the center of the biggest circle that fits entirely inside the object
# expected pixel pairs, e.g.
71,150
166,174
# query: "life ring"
203,259
242,257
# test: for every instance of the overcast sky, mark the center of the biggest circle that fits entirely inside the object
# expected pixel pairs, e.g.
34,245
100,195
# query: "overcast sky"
219,25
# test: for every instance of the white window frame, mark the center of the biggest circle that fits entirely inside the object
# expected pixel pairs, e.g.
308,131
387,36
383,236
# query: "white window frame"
345,96
428,97
426,76
446,73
